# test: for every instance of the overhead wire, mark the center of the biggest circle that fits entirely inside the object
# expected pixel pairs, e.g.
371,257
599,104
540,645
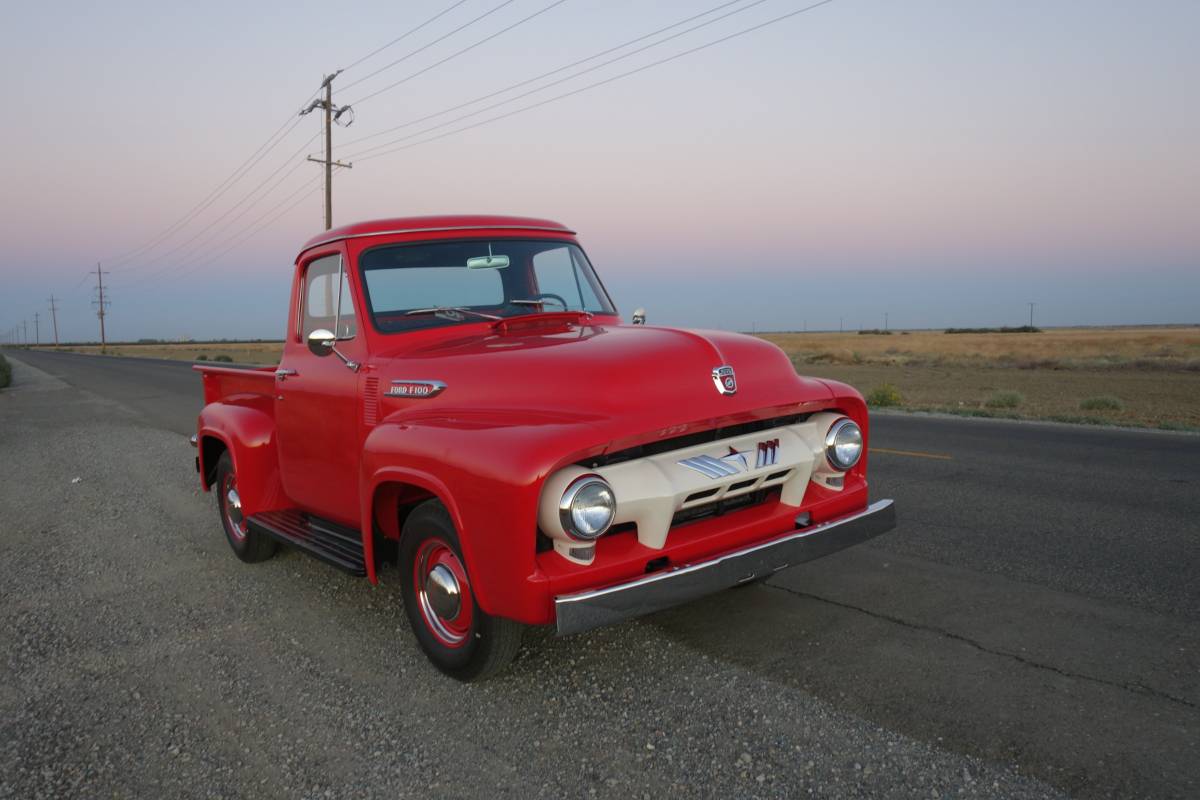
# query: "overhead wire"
562,80
455,54
599,83
404,35
258,225
428,45
241,202
215,236
258,155
547,74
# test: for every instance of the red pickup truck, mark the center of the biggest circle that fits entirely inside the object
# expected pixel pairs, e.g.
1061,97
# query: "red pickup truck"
459,396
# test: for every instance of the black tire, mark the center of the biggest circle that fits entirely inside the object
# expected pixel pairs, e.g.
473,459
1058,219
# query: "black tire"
248,545
481,646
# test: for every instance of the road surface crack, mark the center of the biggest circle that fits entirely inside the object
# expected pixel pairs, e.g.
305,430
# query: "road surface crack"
1136,688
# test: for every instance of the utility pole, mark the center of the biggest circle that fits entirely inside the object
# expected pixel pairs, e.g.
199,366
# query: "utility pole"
54,317
841,324
100,304
37,330
25,328
1031,305
885,320
332,115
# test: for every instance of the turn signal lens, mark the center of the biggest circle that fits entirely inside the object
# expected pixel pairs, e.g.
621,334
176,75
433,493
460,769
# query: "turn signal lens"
843,444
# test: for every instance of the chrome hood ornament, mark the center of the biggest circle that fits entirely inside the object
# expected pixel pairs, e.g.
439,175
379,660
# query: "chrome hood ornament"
724,379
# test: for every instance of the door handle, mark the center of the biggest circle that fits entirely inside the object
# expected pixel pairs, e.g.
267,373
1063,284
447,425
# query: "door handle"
284,374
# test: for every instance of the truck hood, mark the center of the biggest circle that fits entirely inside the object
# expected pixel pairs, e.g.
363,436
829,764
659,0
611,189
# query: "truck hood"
627,382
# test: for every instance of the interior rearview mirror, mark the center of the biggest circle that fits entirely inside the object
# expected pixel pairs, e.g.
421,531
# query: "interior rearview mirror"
320,342
487,262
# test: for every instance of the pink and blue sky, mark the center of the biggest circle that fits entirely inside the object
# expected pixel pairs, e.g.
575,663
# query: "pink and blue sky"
942,162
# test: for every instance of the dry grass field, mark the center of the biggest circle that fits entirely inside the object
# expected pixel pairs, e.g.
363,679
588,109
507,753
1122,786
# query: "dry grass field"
1148,377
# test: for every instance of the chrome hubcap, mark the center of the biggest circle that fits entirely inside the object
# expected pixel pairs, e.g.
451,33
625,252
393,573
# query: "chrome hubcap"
442,592
233,506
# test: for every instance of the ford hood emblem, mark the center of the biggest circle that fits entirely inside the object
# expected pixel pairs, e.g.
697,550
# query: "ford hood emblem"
724,379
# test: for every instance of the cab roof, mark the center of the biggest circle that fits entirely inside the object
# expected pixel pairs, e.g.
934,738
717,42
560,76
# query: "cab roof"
448,222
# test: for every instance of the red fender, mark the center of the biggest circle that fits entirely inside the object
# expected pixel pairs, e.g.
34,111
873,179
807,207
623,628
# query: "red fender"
412,477
249,435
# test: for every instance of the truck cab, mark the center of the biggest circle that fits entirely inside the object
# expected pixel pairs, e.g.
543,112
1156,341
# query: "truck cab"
459,395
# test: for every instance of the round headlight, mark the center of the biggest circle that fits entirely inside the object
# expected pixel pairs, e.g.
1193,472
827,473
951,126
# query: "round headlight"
843,444
587,507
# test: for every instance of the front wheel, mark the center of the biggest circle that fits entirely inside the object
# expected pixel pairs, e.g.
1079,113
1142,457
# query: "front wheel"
459,638
248,545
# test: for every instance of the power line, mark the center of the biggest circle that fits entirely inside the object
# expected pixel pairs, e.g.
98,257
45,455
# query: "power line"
425,47
597,84
456,54
241,202
404,35
563,80
243,234
554,71
207,243
258,155
254,228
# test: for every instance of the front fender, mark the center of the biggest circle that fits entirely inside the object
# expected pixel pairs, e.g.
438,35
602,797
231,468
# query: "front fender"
249,436
489,475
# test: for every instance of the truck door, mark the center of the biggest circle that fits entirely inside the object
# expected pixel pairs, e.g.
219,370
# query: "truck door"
316,398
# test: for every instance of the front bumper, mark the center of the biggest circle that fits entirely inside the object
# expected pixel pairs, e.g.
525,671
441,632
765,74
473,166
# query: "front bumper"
591,609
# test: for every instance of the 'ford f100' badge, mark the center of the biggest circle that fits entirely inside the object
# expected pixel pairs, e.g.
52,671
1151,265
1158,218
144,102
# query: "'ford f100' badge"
725,381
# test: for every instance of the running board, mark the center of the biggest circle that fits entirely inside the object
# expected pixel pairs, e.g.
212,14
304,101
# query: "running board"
335,545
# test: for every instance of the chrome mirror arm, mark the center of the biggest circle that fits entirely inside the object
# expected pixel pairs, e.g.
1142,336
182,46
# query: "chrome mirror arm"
353,366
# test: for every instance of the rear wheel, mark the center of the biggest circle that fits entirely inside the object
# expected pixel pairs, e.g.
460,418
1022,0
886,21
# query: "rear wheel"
460,638
248,545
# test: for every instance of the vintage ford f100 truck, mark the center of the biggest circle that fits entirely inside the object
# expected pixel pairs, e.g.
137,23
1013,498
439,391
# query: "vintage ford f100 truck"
458,395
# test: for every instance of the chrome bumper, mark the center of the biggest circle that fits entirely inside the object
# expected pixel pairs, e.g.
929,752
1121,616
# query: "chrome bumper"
586,610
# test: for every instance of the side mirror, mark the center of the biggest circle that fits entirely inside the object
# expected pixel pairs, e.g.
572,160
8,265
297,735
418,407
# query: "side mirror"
320,342
639,316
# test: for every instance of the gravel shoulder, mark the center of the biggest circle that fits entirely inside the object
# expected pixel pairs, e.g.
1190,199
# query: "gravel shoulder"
142,659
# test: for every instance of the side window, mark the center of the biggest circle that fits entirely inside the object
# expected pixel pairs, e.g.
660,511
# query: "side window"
327,302
557,274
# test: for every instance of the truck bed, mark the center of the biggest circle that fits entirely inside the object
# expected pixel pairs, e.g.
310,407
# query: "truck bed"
222,384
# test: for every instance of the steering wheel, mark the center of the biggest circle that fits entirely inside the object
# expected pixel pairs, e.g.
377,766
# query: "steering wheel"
551,295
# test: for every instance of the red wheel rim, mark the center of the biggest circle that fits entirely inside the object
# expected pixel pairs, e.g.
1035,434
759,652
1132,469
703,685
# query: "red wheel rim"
231,507
443,593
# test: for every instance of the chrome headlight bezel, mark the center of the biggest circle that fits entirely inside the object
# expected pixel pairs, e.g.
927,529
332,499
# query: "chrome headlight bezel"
566,508
843,425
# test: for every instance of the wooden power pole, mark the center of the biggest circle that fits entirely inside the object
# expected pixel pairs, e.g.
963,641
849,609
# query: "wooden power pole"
54,319
100,304
331,115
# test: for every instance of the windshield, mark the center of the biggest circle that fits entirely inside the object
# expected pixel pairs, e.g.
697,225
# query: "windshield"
412,286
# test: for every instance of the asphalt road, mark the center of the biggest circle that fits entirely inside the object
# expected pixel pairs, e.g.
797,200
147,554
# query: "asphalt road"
1030,627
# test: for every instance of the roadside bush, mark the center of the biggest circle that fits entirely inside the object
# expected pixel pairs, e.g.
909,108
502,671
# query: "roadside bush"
223,358
1103,402
5,372
1005,400
202,357
883,396
874,332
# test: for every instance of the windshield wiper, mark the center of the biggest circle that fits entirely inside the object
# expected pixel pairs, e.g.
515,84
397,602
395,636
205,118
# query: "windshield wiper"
452,313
